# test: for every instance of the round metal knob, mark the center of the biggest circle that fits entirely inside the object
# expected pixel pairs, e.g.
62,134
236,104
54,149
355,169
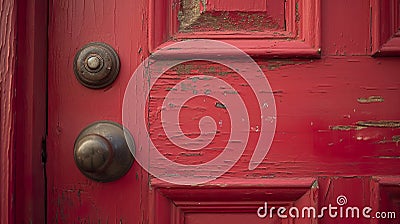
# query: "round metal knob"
93,153
101,151
96,65
93,62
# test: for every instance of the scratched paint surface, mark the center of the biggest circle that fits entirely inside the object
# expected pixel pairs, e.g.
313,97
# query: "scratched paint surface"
337,116
322,127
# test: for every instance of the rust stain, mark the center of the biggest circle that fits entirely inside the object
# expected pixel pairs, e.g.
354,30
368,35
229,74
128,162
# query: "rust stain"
380,124
371,99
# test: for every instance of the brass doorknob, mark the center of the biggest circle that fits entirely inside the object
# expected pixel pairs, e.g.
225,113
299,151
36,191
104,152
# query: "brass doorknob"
101,151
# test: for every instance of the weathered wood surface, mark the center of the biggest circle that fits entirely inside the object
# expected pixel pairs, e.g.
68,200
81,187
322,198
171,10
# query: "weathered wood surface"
7,108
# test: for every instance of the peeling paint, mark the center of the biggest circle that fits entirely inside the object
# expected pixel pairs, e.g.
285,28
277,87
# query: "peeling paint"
220,105
193,16
204,4
380,124
230,92
346,127
170,89
395,139
315,185
191,154
183,69
189,13
297,12
272,65
371,99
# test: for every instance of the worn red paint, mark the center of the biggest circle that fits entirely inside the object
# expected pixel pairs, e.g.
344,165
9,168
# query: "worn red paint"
320,149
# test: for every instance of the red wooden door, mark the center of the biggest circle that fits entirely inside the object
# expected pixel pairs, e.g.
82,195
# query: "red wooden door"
320,143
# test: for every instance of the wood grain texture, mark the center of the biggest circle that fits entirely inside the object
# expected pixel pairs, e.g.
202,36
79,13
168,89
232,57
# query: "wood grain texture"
7,110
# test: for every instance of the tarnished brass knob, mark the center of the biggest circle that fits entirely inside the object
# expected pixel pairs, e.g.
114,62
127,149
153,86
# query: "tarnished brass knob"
96,65
101,151
93,153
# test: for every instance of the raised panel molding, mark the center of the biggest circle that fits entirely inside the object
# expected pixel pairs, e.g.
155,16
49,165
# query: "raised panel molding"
385,197
188,204
385,27
297,36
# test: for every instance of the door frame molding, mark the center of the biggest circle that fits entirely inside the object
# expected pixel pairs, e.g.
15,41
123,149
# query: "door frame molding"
7,111
23,111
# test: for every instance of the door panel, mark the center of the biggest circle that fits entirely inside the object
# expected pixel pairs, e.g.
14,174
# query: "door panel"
234,202
338,117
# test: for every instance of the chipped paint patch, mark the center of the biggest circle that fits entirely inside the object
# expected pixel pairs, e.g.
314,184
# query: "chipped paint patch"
220,105
371,99
189,14
190,154
204,4
395,139
274,66
193,20
315,185
346,127
194,17
170,89
380,124
365,124
297,12
230,92
183,69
